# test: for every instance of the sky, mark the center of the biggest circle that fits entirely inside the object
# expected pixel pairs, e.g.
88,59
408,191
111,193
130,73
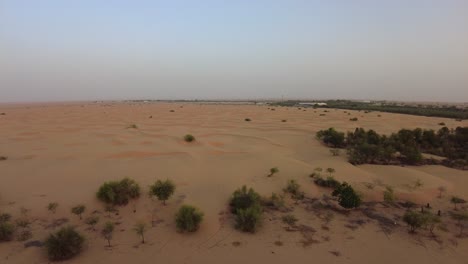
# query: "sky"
55,50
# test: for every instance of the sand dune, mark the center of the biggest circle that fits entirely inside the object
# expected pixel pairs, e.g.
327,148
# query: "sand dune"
64,152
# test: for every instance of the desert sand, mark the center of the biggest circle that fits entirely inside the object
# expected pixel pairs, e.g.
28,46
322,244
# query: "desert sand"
64,152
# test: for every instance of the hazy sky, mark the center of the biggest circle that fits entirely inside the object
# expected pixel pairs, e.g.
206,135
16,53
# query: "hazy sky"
93,50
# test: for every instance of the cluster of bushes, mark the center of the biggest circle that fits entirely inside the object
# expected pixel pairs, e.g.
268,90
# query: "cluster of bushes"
405,146
246,206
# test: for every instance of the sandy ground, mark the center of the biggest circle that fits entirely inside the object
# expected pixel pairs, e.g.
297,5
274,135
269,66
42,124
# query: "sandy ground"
64,152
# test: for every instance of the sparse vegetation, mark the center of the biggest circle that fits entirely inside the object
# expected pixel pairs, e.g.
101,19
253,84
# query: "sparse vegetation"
163,190
331,171
3,158
189,138
461,218
335,151
347,196
188,218
289,219
6,227
78,210
64,244
92,221
414,220
389,194
275,201
293,188
118,192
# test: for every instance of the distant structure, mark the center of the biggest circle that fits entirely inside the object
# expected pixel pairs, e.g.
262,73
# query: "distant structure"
314,103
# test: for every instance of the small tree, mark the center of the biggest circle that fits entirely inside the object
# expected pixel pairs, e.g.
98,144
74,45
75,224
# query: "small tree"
162,190
92,221
64,244
78,210
107,232
457,200
330,171
273,171
140,229
414,220
347,197
52,207
188,218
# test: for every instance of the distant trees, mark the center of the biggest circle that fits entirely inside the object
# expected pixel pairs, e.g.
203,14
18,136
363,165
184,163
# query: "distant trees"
331,137
162,190
405,146
188,218
64,244
347,196
118,192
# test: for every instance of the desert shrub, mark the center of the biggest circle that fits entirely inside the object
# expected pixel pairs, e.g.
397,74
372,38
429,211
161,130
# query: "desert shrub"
245,204
347,196
4,217
133,126
248,119
330,171
329,182
316,173
107,232
289,219
172,111
414,220
52,207
244,198
353,119
284,120
78,210
275,201
293,188
461,218
441,124
273,171
3,158
162,190
389,195
64,244
24,233
248,219
140,229
119,192
6,231
189,138
188,218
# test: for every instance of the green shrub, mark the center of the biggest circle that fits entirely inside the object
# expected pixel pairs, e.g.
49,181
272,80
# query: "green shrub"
275,201
457,200
414,220
389,195
347,197
64,244
189,138
331,137
52,207
140,229
293,188
273,171
119,192
92,221
162,189
243,199
329,182
188,218
6,231
248,219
